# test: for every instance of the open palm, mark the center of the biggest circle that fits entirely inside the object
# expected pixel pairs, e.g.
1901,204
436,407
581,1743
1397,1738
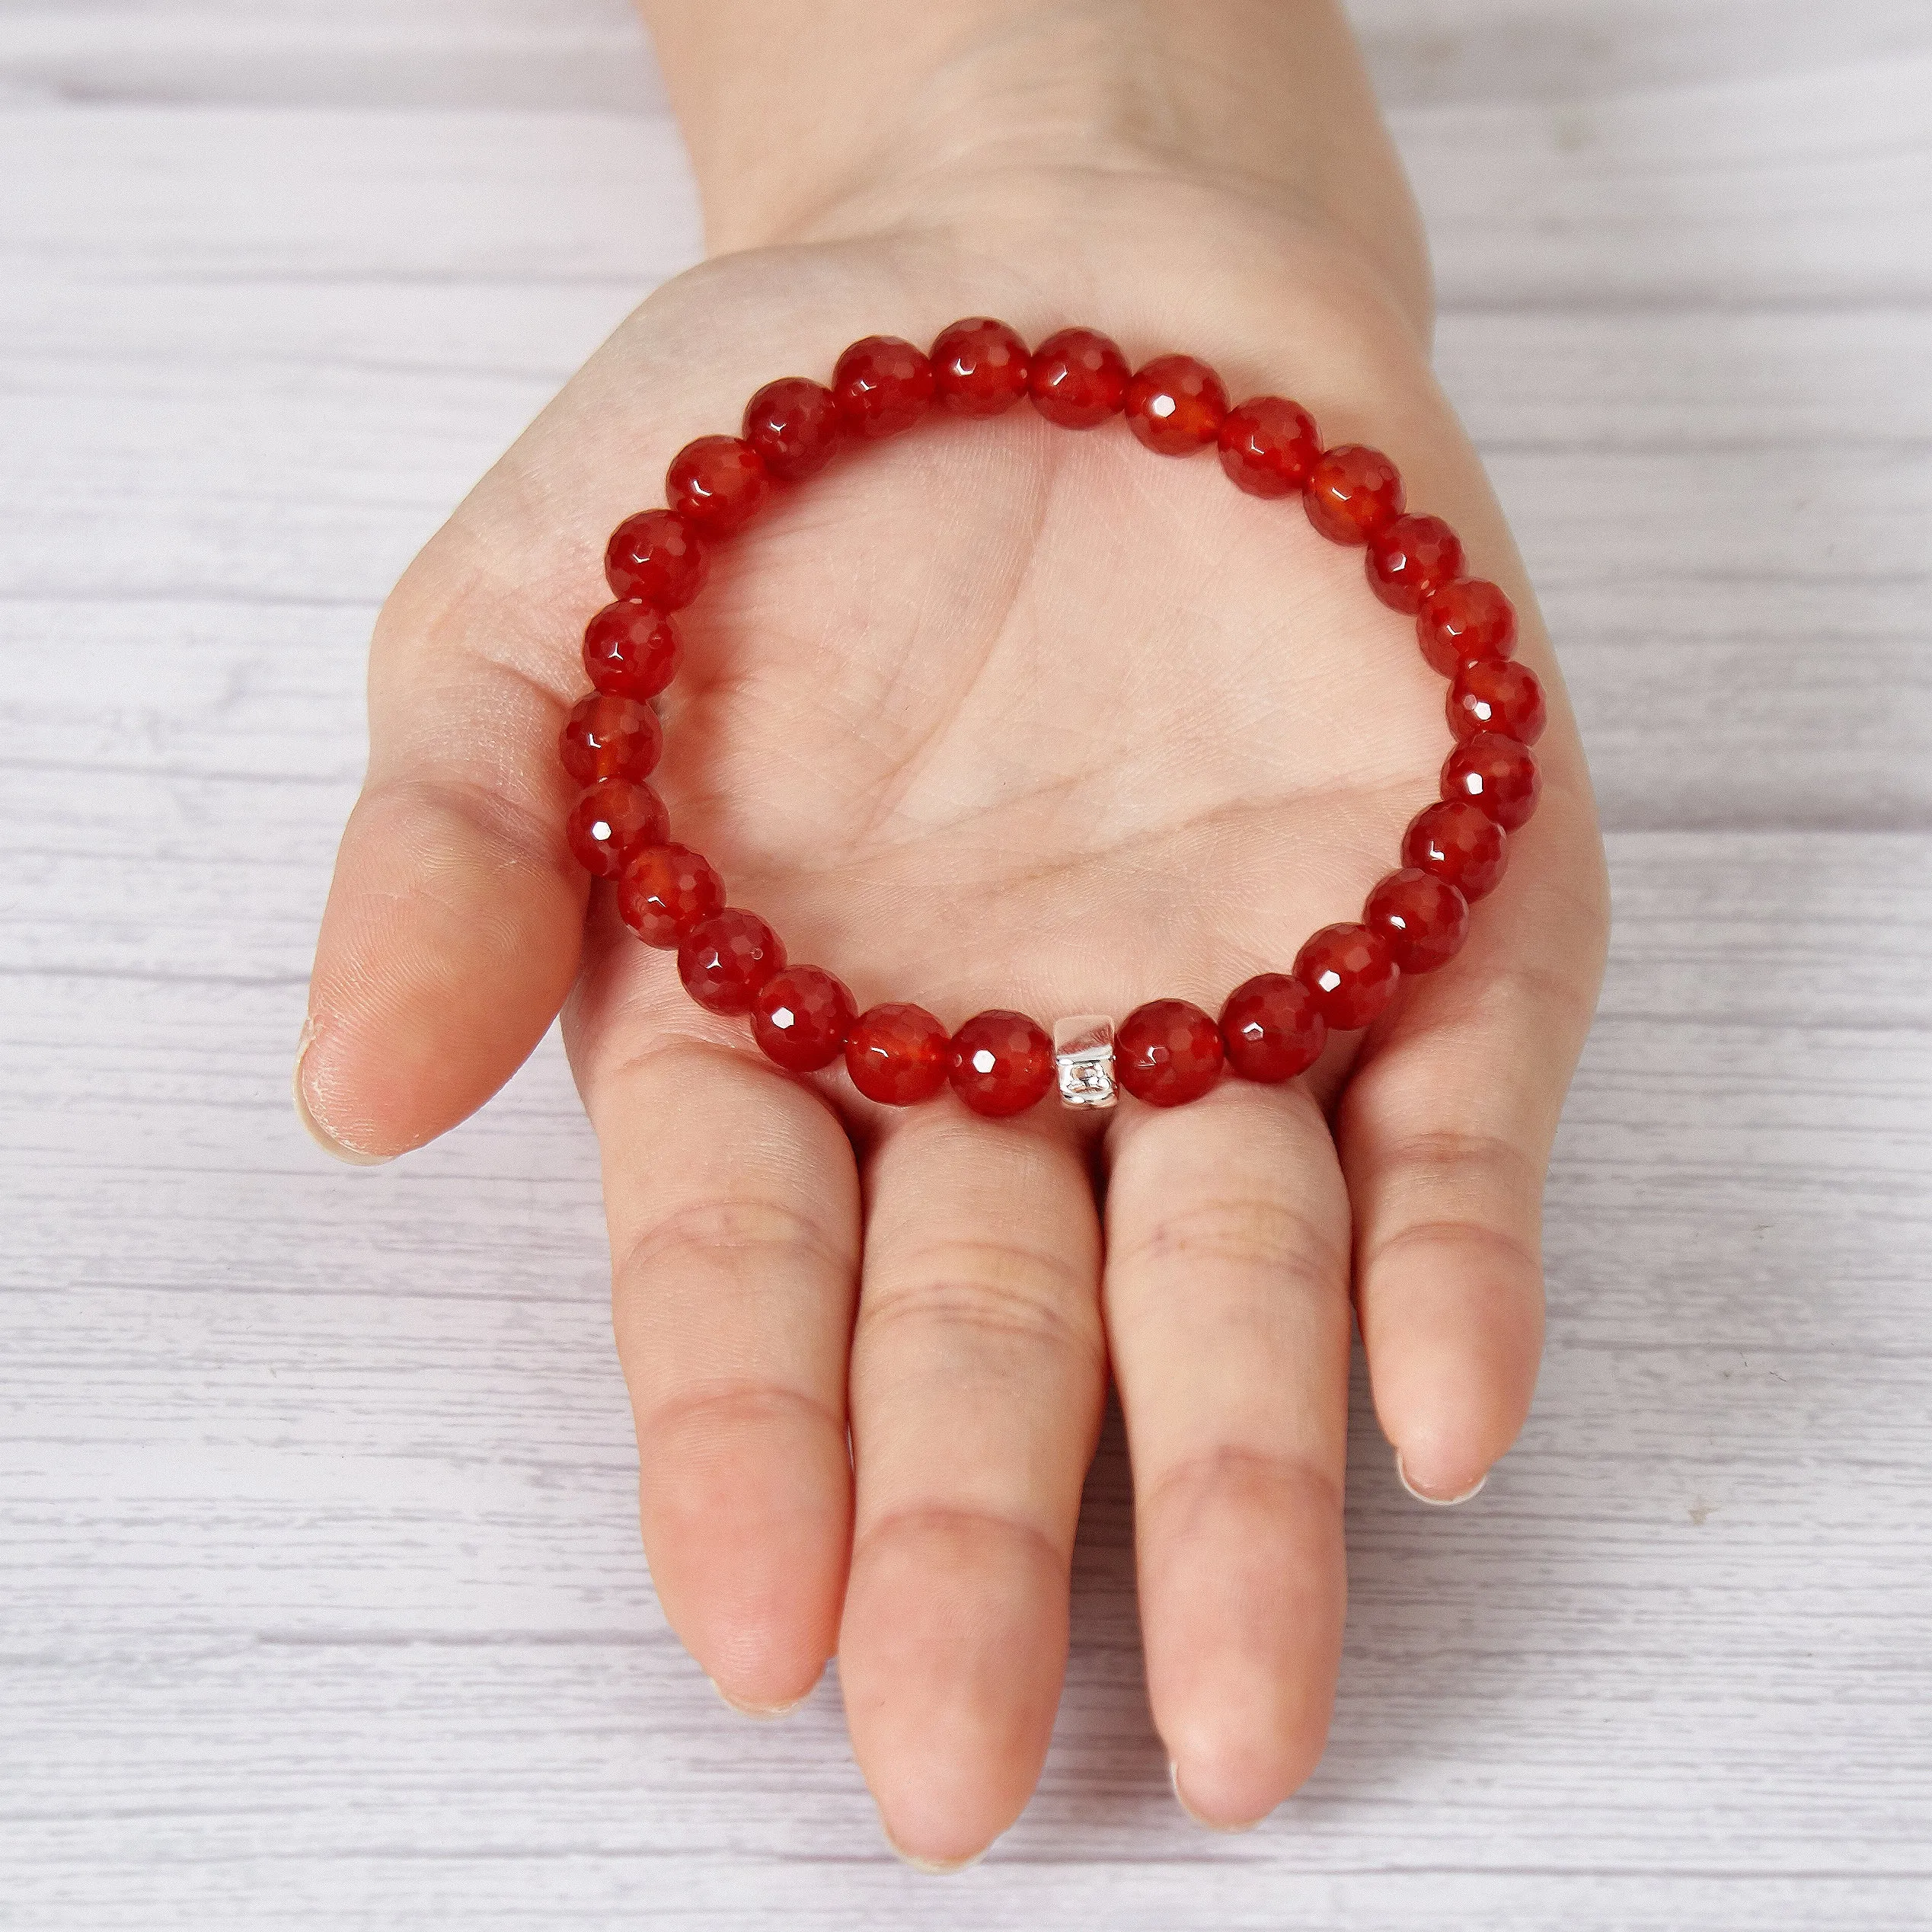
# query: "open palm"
992,714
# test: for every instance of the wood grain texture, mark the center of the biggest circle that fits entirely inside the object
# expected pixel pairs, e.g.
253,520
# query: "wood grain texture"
321,1603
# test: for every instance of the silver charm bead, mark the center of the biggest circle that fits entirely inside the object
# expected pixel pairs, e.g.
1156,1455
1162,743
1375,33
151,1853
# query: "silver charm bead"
1082,1056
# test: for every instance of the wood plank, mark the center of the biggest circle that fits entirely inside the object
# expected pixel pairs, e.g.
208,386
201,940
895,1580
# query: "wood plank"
317,1487
577,54
1800,190
1719,504
1789,189
342,1460
574,53
420,196
1741,623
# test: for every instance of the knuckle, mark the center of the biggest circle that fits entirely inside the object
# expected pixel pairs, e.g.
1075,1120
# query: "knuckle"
1566,989
1514,998
1454,1188
461,603
997,1291
961,1529
727,1235
623,1042
1486,1240
1450,1161
1269,1480
709,1411
526,835
1245,1232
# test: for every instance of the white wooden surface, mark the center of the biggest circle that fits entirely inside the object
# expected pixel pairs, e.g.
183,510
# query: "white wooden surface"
321,1602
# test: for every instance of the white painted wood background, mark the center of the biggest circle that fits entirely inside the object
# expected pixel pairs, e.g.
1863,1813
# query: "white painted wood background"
321,1600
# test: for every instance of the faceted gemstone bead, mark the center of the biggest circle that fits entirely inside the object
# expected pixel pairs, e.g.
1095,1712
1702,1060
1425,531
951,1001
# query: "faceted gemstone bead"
1458,842
979,367
1413,556
1497,693
1271,1028
1351,973
898,1054
1077,378
1268,446
657,557
884,385
612,822
1167,1052
800,1018
794,425
666,891
1463,621
723,960
1423,919
1352,493
717,484
1496,774
1176,405
610,738
1001,1063
631,650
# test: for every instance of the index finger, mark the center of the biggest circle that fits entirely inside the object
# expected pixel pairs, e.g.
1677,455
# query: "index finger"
455,915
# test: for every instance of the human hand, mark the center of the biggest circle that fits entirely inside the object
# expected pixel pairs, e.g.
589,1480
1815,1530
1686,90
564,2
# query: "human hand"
994,714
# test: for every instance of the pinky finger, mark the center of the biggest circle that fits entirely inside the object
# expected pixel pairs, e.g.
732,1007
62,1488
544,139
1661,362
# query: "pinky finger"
1444,1133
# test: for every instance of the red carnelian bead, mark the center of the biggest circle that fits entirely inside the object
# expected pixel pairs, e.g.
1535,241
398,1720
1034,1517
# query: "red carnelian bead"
801,1017
1078,378
897,1054
1352,493
1463,621
655,557
1413,556
717,484
610,738
1497,693
1001,1063
612,822
1268,446
631,650
1423,919
793,425
724,959
1496,774
1351,973
667,890
1271,1028
1176,405
1455,841
979,368
884,385
1167,1052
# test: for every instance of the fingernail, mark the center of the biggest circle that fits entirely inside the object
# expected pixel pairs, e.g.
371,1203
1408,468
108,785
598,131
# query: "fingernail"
765,1712
1437,1502
938,1867
323,1139
1206,1823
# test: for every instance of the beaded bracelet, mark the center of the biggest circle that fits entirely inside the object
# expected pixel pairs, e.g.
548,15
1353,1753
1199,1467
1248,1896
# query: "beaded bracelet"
1000,1063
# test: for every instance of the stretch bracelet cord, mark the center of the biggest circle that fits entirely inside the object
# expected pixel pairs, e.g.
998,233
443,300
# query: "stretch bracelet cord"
1000,1063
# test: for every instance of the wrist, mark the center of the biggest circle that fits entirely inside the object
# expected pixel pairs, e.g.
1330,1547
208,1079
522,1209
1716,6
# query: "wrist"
995,122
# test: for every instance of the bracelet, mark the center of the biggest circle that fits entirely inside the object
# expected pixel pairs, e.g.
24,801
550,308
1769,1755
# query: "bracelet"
1000,1063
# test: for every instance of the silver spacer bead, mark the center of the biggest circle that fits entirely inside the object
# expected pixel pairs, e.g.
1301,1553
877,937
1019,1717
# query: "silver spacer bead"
1083,1054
